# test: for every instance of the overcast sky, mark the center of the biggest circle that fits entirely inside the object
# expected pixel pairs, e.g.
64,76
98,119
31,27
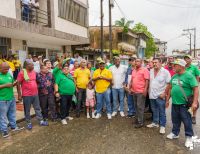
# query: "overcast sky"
165,18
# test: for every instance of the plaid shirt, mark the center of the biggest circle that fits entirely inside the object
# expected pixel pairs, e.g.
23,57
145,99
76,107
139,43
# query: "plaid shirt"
45,83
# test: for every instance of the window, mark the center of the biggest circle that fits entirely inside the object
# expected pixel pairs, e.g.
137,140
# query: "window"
72,11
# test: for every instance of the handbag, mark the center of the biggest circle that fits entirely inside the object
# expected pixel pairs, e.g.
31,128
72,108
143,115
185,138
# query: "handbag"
188,99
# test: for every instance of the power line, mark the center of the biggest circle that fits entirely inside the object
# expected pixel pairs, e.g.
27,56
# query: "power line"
173,5
122,12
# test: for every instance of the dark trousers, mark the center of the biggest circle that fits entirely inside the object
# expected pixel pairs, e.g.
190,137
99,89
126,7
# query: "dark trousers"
65,104
26,13
16,72
47,102
81,96
34,100
180,114
139,104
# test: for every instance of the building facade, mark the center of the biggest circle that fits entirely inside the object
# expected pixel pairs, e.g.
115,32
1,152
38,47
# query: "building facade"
161,46
123,44
48,29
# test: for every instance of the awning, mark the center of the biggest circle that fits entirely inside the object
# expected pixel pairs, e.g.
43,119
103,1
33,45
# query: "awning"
127,47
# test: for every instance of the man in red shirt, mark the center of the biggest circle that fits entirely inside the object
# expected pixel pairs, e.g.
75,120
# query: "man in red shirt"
139,88
169,66
27,79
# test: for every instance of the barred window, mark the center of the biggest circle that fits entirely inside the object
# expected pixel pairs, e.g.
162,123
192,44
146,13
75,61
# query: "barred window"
72,11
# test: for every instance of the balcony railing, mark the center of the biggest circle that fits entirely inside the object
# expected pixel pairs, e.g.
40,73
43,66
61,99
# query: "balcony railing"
35,15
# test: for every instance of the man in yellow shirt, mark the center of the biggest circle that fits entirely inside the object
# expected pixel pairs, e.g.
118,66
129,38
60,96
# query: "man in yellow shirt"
103,78
17,65
81,77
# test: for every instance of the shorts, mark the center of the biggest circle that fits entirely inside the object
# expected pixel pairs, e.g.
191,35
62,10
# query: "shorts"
90,102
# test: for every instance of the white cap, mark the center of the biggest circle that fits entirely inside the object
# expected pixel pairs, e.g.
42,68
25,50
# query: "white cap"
180,62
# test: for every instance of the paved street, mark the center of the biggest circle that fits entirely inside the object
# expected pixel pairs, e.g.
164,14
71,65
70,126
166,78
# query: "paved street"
95,136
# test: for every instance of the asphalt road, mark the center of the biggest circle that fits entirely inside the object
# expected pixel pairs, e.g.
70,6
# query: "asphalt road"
102,136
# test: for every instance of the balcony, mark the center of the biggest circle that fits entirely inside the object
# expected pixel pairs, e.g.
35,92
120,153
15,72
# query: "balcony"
35,15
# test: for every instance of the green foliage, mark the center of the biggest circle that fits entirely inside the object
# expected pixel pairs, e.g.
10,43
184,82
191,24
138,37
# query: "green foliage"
151,46
124,23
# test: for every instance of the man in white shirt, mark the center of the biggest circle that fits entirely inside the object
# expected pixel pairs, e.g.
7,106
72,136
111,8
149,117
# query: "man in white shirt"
119,73
36,64
159,79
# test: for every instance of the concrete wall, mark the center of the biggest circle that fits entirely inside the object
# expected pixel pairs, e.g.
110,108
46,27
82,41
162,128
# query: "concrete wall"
7,8
16,45
67,26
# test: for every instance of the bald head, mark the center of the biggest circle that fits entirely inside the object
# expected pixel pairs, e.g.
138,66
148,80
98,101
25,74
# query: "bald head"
4,68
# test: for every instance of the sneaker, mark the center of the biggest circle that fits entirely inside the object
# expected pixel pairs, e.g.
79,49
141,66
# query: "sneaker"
152,125
188,142
70,118
114,114
109,116
64,122
139,125
194,120
93,115
88,115
172,136
44,123
162,130
130,116
98,116
122,114
29,126
5,134
16,129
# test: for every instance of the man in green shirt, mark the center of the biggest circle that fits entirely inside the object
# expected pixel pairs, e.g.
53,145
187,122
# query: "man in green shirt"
65,88
7,101
195,72
182,83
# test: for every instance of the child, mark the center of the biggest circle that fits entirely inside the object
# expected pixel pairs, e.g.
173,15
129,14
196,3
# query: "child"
90,99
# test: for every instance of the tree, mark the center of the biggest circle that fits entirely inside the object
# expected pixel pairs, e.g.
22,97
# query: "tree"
124,23
151,46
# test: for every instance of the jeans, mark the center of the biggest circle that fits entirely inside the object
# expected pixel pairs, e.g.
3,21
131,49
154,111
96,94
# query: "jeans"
65,104
7,114
27,101
158,109
131,108
26,13
115,94
101,97
180,114
47,102
139,103
81,96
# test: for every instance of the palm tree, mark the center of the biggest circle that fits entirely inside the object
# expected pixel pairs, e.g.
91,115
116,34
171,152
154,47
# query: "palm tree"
123,23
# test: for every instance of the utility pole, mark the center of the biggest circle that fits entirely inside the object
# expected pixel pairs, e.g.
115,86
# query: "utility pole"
111,5
190,36
195,42
101,1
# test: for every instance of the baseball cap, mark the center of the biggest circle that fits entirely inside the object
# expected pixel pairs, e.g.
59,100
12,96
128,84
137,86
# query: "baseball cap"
55,64
188,56
180,62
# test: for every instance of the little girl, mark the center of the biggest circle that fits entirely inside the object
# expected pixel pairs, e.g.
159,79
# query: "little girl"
90,99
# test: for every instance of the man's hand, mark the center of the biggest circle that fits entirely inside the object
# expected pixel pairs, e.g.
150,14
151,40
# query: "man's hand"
162,96
57,95
145,93
194,106
8,85
167,104
20,98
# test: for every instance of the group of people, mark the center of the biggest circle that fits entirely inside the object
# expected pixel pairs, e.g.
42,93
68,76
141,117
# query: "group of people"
80,86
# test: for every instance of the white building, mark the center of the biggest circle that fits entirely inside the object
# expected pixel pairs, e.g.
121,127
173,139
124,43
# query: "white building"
47,31
161,46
